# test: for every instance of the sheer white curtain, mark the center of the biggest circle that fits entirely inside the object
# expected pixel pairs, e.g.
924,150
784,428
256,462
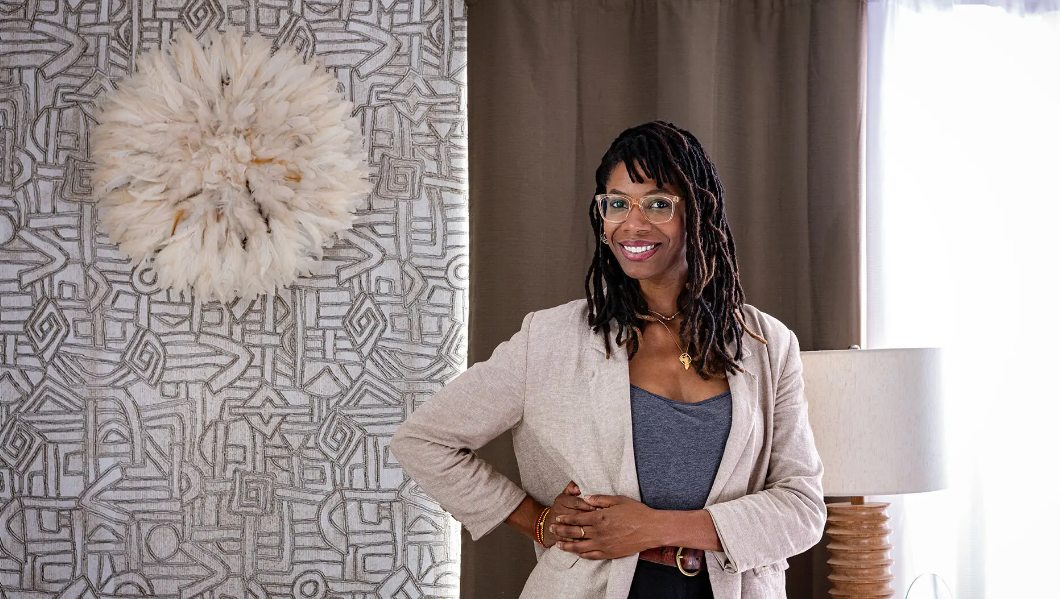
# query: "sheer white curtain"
963,252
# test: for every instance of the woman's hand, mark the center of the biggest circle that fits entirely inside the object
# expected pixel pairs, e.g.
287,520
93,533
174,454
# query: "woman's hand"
617,527
567,503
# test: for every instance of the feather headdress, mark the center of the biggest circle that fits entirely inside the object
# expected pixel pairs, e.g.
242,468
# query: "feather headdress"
228,166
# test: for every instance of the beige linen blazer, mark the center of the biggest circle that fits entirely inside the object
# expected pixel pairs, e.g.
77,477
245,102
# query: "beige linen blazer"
569,411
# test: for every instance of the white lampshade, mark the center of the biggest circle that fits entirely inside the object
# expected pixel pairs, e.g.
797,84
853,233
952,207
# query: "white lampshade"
876,416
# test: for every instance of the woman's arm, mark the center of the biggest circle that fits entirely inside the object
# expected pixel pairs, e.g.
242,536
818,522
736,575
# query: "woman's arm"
436,444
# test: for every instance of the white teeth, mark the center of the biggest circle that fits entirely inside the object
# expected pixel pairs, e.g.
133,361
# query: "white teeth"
640,249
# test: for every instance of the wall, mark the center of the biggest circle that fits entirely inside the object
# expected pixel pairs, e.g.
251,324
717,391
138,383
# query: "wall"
155,445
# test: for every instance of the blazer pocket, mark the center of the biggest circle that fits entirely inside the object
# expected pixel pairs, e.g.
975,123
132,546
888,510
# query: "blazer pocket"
554,557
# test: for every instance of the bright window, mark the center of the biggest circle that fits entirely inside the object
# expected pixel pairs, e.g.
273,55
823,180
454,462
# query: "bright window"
963,237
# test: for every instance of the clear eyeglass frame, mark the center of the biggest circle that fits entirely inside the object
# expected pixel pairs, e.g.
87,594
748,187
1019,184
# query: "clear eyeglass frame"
643,203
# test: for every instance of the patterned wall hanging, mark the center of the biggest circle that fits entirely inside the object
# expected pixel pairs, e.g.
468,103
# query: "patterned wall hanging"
227,166
153,444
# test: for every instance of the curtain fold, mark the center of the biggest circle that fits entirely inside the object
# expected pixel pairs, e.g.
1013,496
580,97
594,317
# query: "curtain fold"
773,90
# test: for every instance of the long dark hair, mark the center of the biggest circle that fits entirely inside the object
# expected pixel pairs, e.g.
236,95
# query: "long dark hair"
670,155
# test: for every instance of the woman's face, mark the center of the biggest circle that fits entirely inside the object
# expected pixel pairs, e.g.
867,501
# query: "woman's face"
664,261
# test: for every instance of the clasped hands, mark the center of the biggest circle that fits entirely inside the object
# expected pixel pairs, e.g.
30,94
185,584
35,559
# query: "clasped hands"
599,526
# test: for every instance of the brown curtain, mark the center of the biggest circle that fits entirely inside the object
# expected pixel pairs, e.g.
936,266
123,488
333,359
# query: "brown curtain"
773,90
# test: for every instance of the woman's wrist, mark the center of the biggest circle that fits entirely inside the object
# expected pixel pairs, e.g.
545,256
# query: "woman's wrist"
662,528
524,518
692,529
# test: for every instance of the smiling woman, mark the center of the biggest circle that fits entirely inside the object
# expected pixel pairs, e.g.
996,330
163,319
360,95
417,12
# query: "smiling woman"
647,468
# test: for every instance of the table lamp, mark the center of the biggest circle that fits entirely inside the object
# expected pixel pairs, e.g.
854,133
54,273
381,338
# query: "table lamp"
876,416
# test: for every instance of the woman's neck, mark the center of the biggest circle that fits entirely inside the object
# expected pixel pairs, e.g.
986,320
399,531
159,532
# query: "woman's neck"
665,298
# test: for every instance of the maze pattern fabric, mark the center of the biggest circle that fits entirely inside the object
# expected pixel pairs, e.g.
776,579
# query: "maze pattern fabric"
155,445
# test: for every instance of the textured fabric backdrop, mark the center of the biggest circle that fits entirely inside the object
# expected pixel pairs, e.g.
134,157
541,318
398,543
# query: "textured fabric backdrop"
153,445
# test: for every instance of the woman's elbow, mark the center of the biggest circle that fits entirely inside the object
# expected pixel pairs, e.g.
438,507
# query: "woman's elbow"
418,453
816,516
810,512
821,512
401,446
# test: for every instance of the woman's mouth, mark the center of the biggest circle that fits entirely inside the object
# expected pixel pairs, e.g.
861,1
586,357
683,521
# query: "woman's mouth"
639,251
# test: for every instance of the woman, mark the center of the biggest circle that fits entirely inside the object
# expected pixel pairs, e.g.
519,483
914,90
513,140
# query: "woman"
660,425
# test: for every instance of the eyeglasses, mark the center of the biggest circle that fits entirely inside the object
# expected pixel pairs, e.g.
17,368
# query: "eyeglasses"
658,208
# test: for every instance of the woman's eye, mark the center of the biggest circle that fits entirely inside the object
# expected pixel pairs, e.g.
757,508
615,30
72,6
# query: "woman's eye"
660,204
619,204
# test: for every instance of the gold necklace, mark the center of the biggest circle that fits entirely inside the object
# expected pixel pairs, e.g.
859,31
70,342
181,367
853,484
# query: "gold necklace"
669,318
686,360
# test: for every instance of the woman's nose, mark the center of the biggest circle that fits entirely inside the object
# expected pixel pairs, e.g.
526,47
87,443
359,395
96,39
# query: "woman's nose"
636,221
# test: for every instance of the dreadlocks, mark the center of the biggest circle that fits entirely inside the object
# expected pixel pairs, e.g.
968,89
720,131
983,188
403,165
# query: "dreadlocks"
669,155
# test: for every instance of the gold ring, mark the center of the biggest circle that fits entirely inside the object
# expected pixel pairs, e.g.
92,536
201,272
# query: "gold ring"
583,532
682,568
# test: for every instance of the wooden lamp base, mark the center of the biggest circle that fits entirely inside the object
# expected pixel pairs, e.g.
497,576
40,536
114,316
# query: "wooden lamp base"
860,562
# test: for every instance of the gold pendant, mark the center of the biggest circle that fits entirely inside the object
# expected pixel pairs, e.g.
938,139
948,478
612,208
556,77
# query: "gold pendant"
686,360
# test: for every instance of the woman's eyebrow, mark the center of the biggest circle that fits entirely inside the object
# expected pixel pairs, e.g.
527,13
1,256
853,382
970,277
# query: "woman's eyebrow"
656,190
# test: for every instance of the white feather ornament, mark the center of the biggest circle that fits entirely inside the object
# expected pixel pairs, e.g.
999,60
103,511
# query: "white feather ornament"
229,167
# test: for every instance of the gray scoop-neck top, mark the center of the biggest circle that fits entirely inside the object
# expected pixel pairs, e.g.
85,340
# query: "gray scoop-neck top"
677,447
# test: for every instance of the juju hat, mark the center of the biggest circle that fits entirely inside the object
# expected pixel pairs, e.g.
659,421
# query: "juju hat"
226,166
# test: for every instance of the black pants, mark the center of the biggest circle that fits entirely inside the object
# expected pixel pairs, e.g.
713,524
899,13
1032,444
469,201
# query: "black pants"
659,581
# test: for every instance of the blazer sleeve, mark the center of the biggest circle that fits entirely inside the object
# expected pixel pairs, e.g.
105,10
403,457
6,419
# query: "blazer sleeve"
436,444
788,516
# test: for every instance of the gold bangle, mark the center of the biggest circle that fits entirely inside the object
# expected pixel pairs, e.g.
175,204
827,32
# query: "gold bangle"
677,558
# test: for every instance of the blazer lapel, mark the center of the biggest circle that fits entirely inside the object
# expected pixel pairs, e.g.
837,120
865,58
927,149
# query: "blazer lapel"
609,393
743,387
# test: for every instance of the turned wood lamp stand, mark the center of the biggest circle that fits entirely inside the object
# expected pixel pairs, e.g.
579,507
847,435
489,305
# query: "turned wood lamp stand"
877,422
860,554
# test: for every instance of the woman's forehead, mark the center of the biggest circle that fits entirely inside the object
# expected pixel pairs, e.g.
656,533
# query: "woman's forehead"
621,182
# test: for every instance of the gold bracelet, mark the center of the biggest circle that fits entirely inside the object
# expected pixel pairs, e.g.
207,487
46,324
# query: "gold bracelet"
540,532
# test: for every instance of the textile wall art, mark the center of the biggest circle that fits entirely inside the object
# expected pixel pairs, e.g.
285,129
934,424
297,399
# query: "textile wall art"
157,444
